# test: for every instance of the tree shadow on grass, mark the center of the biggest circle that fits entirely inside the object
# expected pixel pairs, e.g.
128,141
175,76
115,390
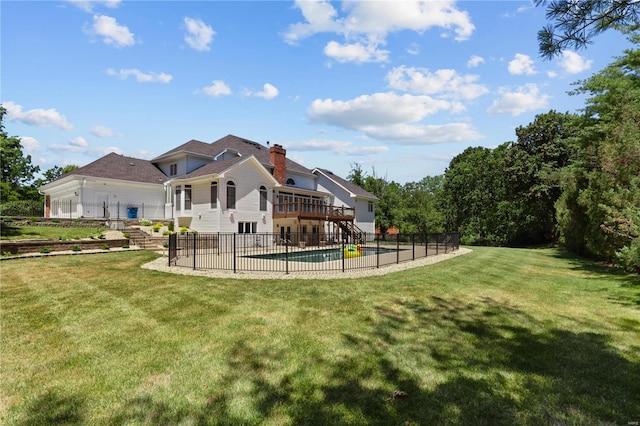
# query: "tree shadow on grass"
52,408
628,293
459,363
12,232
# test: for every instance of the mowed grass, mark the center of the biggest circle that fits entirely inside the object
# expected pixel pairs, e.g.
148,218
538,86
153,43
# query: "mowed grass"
14,232
498,336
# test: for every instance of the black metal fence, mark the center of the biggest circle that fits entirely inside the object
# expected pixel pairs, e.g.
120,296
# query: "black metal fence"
272,253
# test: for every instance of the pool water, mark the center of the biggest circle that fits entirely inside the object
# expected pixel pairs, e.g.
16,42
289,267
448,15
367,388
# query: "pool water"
325,255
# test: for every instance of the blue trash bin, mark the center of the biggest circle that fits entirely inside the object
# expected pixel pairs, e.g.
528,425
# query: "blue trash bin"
132,212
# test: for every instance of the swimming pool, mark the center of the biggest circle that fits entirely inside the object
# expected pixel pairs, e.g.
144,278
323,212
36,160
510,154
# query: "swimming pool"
316,256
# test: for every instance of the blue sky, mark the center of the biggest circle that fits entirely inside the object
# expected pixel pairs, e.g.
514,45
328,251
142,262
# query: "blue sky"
398,87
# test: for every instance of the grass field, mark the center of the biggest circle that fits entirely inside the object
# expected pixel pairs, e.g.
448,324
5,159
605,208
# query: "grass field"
498,336
11,232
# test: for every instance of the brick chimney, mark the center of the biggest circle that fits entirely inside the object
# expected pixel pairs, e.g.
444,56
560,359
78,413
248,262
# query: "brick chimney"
278,157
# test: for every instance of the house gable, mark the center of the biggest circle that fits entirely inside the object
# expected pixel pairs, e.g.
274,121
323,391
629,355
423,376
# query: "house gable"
115,167
353,191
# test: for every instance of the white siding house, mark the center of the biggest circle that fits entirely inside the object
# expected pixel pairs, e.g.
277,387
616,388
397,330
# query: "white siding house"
232,185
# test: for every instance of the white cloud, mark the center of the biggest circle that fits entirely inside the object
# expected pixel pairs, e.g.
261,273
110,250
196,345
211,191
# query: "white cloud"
407,134
199,35
355,52
217,88
474,61
371,21
79,145
37,117
89,5
379,109
392,117
521,64
112,33
269,92
103,132
520,9
141,77
30,144
79,142
337,147
573,63
525,98
413,49
319,16
445,82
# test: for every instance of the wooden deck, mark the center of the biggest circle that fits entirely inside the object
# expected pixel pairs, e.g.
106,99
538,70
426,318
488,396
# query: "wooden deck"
304,210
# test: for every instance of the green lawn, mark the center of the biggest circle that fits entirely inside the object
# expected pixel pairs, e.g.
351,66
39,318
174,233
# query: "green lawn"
14,232
498,336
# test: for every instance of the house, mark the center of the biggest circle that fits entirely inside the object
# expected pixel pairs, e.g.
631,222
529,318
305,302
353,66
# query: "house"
232,185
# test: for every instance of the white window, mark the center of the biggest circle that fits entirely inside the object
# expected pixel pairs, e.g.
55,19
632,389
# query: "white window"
173,169
214,195
263,199
247,227
178,198
187,197
231,195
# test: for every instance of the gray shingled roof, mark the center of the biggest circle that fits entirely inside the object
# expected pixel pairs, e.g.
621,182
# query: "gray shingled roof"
353,188
214,168
119,167
246,147
243,146
193,146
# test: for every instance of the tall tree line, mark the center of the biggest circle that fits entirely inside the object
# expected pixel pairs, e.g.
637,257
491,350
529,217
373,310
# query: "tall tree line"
568,178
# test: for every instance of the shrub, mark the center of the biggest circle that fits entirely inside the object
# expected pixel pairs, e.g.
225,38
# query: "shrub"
33,219
126,245
145,222
104,247
76,248
156,227
171,226
126,234
7,220
183,230
55,221
22,208
45,250
167,232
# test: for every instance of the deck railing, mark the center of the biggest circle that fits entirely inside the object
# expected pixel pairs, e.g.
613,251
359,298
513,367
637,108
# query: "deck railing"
312,210
270,253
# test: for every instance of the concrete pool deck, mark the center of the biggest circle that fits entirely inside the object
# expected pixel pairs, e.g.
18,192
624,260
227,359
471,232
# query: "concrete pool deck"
161,264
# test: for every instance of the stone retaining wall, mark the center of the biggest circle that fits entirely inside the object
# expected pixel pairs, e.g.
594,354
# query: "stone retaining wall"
23,247
49,222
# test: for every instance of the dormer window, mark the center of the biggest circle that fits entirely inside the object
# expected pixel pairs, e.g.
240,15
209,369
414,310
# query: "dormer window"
173,169
291,182
227,154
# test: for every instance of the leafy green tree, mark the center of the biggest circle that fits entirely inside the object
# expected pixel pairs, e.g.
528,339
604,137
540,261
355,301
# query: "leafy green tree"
599,212
575,23
54,173
419,211
388,193
17,171
357,175
473,196
534,167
